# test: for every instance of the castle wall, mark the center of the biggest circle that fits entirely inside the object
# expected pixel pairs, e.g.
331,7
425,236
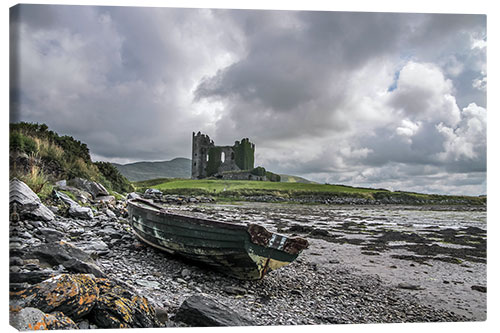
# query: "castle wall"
208,159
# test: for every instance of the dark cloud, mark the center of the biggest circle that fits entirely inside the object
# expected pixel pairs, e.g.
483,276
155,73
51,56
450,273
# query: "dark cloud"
371,99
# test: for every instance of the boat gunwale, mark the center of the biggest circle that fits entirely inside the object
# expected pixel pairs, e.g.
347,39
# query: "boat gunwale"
158,210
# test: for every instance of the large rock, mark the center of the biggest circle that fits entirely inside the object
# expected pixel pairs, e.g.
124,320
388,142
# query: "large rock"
65,198
30,277
78,212
57,252
75,210
94,188
27,204
119,307
66,254
201,311
80,195
105,303
74,295
29,319
95,246
132,196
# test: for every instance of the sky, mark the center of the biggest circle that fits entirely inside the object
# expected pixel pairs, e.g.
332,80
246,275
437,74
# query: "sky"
385,100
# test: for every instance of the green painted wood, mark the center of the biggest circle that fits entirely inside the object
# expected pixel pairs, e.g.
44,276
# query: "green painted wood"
222,245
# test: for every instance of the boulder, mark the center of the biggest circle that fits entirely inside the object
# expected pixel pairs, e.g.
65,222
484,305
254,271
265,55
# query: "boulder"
56,253
80,195
74,295
26,204
119,307
29,319
132,196
109,213
31,277
50,235
152,193
75,210
94,188
65,198
78,266
78,212
61,183
72,258
201,311
106,199
95,246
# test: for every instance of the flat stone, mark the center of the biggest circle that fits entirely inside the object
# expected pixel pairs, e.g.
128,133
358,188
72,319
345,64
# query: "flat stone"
79,212
148,284
409,286
201,311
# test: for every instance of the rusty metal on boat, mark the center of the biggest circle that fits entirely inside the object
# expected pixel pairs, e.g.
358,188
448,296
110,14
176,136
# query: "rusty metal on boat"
244,251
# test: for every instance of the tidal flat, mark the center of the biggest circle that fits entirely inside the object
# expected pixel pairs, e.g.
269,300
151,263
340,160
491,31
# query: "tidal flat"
365,264
436,254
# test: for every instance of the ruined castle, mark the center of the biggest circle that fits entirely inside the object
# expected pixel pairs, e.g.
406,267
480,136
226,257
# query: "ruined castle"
227,162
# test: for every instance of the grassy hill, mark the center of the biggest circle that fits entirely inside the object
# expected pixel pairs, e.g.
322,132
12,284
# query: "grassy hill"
39,157
176,168
295,179
283,191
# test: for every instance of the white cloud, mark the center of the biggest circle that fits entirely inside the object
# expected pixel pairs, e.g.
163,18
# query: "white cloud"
408,129
468,139
424,94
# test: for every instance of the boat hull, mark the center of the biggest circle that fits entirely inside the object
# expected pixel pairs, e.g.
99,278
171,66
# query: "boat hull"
244,252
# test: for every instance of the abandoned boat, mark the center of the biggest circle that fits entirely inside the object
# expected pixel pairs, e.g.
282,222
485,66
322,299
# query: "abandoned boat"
246,252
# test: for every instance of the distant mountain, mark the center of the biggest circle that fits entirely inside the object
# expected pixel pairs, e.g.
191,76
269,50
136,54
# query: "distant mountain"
295,179
177,168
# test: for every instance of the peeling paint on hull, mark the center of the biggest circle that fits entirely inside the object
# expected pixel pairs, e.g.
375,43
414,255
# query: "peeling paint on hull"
244,252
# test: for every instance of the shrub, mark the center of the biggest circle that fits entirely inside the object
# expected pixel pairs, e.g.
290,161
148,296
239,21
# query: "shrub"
37,181
258,171
117,181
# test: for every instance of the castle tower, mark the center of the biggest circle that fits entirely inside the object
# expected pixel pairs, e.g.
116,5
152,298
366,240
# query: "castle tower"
199,159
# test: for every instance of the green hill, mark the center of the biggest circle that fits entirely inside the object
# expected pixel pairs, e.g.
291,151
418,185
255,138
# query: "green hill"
39,157
295,179
298,192
138,171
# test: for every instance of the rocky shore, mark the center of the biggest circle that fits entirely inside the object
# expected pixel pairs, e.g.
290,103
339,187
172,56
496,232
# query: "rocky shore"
79,266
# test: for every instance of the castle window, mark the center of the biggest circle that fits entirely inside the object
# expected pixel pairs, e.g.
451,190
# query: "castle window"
232,156
223,157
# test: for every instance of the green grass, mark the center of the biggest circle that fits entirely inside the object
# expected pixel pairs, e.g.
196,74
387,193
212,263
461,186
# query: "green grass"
236,189
232,185
242,187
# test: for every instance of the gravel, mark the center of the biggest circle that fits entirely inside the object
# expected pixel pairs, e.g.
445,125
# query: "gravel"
303,292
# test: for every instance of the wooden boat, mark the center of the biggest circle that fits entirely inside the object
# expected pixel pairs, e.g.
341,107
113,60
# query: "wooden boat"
245,252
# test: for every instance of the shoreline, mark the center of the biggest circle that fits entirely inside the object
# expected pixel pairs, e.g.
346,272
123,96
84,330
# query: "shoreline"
336,281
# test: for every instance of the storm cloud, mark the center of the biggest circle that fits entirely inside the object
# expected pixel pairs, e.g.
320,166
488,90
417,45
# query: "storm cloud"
366,99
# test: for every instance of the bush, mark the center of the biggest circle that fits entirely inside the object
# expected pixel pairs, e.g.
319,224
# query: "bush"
37,181
258,171
22,143
118,182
